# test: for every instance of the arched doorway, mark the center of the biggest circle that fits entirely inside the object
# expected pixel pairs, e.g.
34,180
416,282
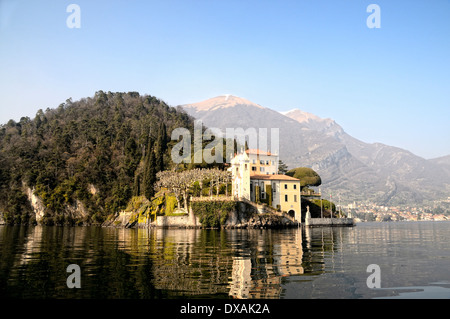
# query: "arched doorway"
292,213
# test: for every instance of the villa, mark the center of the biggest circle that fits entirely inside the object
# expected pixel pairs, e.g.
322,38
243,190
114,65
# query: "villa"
255,178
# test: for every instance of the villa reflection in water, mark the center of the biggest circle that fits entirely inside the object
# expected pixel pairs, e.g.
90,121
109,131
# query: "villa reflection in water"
295,263
239,263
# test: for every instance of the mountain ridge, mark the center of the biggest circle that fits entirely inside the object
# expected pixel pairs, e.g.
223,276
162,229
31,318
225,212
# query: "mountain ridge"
221,101
359,171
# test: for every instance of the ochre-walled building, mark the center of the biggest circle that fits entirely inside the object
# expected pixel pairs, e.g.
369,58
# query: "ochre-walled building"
256,178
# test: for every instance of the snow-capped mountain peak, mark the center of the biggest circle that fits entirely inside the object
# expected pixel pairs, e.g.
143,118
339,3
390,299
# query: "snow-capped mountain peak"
221,101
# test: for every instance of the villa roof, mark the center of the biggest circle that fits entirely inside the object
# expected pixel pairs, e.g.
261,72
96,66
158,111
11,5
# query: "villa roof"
275,177
259,152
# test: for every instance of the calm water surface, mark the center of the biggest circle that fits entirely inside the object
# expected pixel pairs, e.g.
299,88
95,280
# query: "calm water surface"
414,259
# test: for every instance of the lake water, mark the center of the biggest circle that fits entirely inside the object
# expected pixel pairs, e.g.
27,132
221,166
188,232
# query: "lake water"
413,258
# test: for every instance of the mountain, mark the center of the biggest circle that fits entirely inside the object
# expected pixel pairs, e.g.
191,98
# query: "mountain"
311,121
418,178
443,162
355,170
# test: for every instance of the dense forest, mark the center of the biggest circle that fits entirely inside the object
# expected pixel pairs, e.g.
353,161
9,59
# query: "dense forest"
101,151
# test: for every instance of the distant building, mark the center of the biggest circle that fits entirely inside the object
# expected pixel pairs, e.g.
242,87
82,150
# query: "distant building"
255,177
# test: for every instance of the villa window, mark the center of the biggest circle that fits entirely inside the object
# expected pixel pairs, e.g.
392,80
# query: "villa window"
254,168
295,198
261,169
285,186
261,162
285,198
295,186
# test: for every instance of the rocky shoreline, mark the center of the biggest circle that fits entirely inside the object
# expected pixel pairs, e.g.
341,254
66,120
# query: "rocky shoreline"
243,217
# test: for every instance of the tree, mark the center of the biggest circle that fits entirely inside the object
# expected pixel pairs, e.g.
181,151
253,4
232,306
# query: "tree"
137,185
161,147
181,183
306,175
215,180
282,168
100,141
149,173
170,180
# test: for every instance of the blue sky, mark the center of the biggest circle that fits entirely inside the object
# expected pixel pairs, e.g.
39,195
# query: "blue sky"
388,85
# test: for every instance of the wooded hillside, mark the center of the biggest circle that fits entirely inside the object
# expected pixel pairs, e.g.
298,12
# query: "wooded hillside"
100,150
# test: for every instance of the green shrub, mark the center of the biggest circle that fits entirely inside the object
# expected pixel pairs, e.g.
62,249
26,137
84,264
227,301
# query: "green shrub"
306,175
213,213
171,203
269,195
326,204
257,194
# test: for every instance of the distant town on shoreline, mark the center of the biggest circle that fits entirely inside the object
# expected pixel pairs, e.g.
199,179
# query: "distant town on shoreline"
366,212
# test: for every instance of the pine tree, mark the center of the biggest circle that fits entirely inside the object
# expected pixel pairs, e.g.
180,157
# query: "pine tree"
164,136
149,172
137,185
161,147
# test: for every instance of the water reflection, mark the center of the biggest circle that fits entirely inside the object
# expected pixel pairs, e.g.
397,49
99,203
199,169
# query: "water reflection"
172,263
139,263
233,263
434,291
262,263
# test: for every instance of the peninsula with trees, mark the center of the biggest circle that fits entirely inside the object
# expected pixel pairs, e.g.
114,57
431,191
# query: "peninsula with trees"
105,160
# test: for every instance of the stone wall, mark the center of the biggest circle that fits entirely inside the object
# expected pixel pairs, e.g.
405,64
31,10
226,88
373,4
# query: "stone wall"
178,221
247,215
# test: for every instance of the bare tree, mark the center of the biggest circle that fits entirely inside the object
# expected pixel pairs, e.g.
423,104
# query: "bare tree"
180,183
170,181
